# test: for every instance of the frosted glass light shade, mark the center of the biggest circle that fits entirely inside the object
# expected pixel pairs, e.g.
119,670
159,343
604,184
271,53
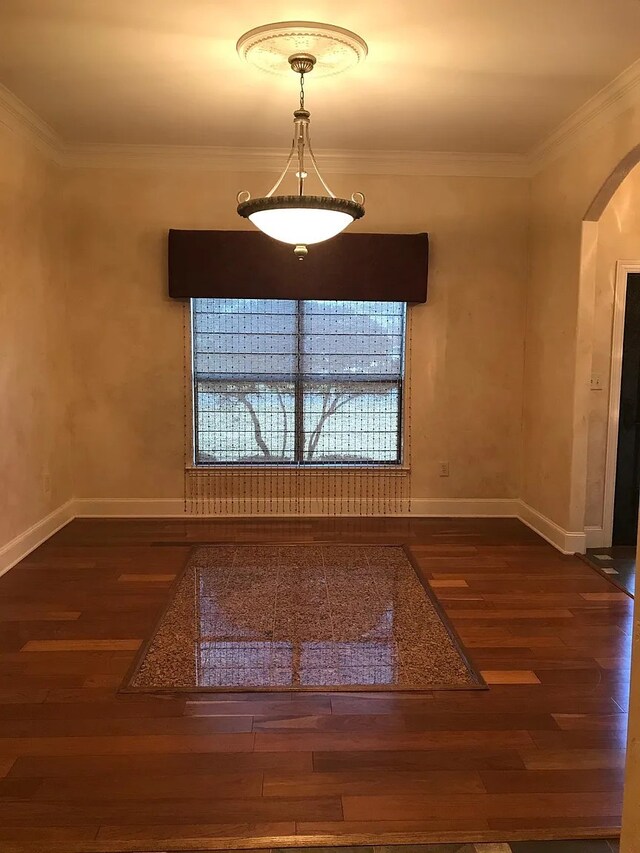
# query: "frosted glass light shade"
301,220
301,227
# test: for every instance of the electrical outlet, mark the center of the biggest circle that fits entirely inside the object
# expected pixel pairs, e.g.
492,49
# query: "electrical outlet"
443,469
46,483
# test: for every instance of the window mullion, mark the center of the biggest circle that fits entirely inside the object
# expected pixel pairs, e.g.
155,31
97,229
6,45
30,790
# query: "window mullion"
400,421
299,391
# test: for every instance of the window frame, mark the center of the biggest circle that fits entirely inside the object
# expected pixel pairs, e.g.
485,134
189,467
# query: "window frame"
299,381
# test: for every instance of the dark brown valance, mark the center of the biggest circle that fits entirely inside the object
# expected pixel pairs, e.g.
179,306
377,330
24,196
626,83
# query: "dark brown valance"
249,265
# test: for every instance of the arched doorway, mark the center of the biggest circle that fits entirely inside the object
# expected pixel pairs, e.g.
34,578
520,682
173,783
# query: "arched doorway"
610,254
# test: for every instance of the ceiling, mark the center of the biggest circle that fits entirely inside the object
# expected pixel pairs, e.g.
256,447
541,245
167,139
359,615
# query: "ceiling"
495,76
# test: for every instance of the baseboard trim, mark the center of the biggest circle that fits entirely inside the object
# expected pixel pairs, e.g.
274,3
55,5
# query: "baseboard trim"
27,541
566,541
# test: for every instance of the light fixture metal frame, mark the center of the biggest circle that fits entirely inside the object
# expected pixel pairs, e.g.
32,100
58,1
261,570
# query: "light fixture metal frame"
301,63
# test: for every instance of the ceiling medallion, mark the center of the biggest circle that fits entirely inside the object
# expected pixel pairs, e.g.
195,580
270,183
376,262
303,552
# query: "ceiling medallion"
269,47
296,218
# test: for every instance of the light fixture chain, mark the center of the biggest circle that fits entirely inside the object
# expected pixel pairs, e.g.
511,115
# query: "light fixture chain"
302,90
301,172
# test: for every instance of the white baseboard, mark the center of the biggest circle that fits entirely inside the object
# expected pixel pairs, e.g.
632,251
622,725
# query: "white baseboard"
23,544
568,542
565,541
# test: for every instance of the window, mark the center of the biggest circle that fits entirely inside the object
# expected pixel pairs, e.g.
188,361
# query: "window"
280,382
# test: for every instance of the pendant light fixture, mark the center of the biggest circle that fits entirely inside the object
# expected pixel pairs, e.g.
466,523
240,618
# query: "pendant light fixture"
298,218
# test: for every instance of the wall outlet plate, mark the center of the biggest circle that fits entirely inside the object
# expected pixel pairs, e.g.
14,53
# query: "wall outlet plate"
443,469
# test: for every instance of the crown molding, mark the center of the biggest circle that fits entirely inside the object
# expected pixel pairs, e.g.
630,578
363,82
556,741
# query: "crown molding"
619,95
616,97
24,122
96,155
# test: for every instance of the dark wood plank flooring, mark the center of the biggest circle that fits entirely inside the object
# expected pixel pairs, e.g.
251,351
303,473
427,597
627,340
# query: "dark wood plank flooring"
538,755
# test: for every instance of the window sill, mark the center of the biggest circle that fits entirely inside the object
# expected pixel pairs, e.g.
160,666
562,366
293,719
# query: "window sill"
296,469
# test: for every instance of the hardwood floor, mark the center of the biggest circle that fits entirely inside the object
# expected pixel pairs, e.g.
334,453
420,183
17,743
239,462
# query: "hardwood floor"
538,755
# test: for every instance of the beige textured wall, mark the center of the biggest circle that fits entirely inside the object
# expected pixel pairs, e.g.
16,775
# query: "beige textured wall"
468,339
618,239
35,376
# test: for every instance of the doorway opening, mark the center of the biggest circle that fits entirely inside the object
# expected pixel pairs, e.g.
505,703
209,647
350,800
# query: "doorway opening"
627,476
622,476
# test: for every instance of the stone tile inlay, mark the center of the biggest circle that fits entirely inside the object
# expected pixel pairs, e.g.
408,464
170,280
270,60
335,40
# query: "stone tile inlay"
302,616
